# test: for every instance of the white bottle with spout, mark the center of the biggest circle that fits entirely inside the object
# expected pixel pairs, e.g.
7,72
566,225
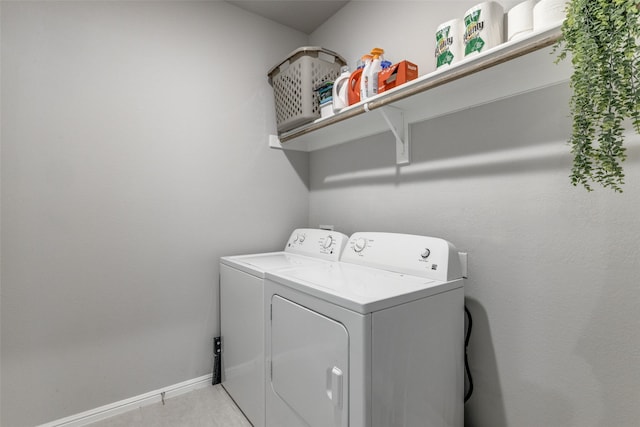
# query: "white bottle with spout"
370,76
364,94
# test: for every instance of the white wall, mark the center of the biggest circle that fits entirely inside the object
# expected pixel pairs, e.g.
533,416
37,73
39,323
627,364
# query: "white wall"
133,155
554,270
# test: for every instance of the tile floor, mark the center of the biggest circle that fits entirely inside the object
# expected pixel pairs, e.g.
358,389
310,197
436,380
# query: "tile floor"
206,407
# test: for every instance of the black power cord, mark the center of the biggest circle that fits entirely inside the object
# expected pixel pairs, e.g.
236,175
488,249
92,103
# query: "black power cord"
466,361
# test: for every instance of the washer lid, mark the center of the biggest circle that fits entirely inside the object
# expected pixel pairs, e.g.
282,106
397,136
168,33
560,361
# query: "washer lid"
258,264
304,246
359,288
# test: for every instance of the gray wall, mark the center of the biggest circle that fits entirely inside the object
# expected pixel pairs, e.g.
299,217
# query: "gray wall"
133,156
554,270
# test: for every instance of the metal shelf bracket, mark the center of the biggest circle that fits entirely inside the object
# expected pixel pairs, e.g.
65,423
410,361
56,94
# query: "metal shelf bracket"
400,129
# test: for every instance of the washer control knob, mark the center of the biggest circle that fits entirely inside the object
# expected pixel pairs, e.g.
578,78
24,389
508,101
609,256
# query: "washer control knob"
301,238
360,244
425,254
328,241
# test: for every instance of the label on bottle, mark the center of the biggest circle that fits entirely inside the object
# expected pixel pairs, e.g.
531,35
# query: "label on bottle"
473,26
364,87
443,43
374,85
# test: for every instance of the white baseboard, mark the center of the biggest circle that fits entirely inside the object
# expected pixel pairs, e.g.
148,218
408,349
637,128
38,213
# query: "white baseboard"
106,411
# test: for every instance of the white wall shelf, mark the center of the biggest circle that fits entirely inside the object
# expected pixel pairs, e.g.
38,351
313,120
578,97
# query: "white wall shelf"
507,70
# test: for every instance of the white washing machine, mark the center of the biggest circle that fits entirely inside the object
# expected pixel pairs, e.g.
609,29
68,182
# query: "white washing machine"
242,315
375,340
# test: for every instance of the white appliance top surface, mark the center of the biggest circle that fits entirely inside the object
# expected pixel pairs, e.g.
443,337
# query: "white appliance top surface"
359,288
305,246
258,264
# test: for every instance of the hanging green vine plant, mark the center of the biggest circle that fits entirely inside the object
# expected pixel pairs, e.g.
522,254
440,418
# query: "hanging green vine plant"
602,38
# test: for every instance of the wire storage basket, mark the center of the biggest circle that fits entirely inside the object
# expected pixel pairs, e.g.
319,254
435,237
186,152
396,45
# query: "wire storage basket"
294,80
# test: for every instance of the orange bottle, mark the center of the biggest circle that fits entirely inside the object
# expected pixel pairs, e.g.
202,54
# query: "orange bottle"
353,87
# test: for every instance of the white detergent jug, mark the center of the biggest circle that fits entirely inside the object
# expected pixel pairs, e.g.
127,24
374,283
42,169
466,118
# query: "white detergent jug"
340,94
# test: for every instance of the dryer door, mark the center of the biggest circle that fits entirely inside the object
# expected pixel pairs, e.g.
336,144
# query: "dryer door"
309,364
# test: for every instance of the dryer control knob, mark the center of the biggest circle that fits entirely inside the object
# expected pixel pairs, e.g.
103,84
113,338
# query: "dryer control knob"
301,238
328,241
425,254
360,244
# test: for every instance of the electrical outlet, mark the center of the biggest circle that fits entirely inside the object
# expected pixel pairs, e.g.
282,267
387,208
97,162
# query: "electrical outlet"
217,346
217,362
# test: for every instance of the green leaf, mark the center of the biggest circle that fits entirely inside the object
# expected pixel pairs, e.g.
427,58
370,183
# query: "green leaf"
602,37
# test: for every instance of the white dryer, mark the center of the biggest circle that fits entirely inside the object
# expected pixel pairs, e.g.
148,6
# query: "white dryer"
375,340
242,315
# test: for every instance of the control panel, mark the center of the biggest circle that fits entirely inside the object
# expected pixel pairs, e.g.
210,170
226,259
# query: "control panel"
423,256
324,244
